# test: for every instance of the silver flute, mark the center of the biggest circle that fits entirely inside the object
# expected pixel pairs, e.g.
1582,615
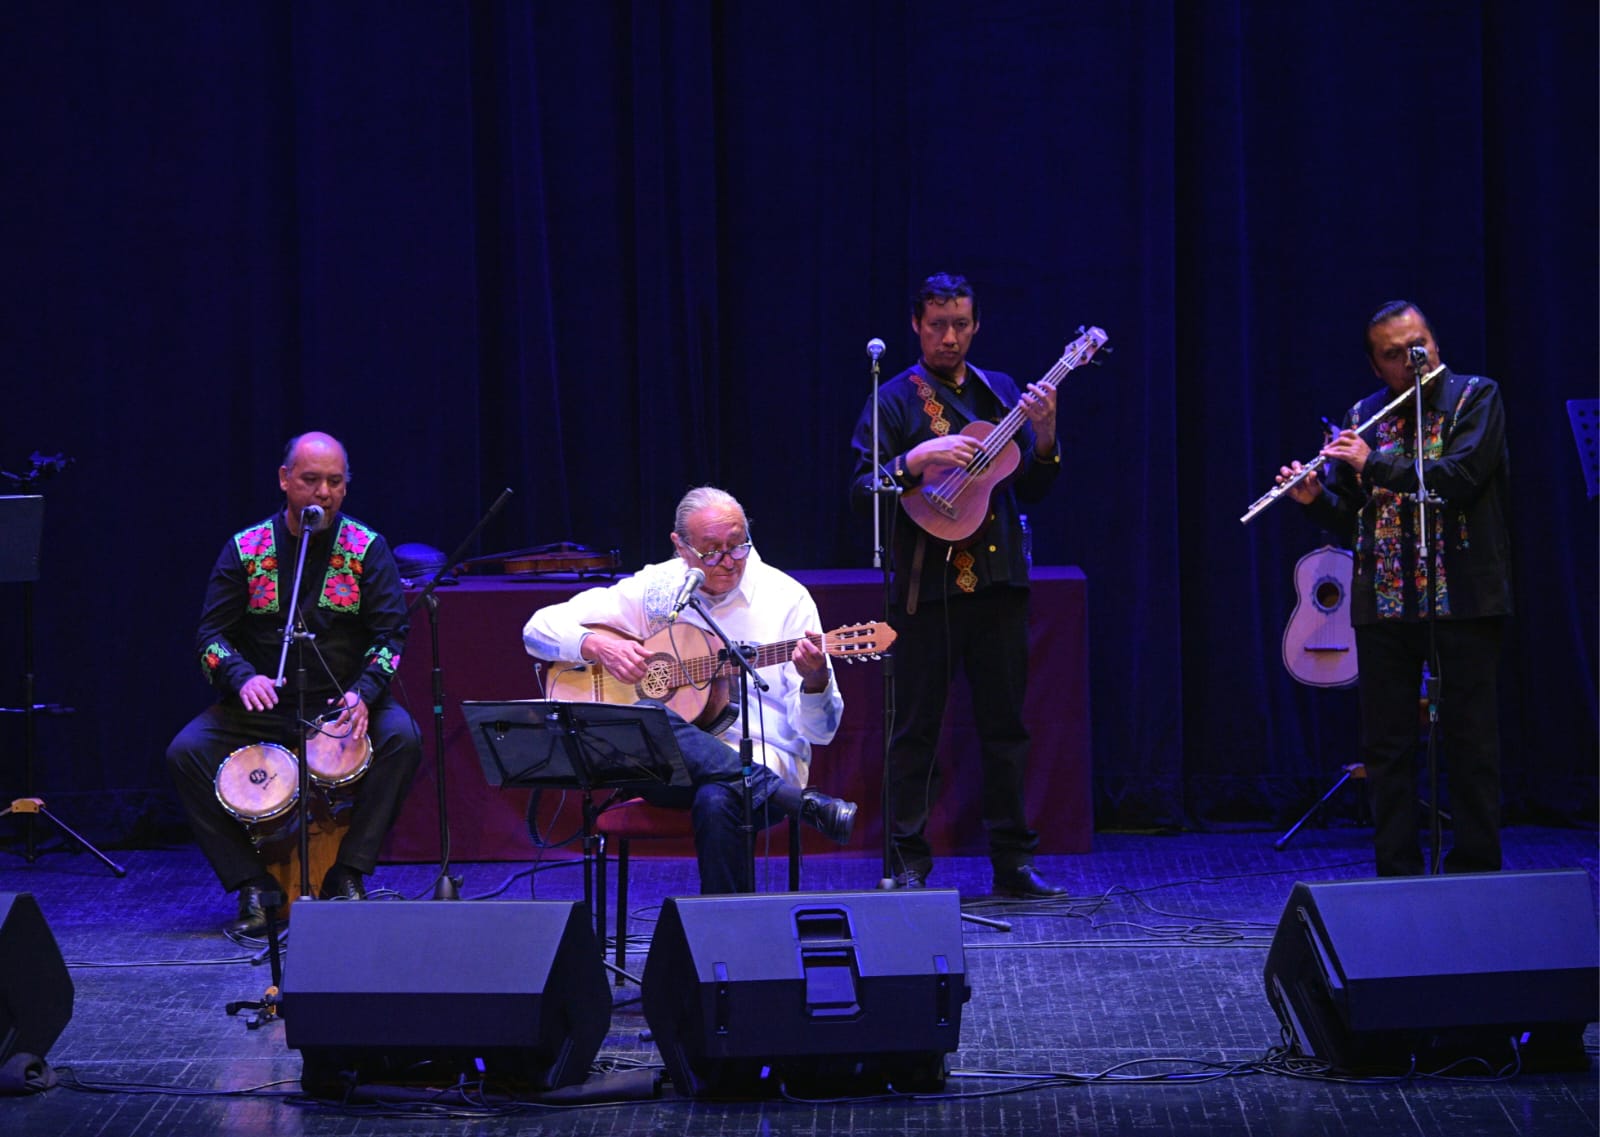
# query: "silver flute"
1288,484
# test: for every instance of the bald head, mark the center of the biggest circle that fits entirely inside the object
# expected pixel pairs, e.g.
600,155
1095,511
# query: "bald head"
314,440
315,471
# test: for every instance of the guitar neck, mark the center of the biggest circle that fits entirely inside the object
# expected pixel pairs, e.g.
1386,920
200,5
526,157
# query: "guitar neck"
1008,426
1076,355
706,667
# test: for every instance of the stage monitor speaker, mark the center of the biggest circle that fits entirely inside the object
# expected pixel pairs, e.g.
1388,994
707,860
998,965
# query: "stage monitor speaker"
811,993
1401,973
423,992
35,994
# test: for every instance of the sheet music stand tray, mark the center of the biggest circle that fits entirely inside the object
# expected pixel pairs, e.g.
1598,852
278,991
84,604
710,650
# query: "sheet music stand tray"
588,747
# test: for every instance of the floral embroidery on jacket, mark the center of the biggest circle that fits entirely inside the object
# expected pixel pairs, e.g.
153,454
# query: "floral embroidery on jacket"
211,658
258,556
341,587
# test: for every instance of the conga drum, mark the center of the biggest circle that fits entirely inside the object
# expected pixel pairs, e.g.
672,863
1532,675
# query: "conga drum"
337,760
259,785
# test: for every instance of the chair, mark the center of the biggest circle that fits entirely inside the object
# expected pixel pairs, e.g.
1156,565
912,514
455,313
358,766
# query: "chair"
638,820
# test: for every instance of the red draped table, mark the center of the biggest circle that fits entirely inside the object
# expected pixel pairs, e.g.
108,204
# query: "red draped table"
481,657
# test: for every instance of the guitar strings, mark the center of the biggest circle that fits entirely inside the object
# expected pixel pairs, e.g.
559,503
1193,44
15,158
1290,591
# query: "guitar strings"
1008,426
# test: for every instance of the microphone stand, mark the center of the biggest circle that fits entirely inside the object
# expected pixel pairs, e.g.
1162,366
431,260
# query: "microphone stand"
446,887
1431,680
295,631
884,491
747,675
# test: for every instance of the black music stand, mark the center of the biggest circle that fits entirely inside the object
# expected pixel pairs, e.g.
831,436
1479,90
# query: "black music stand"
549,744
21,532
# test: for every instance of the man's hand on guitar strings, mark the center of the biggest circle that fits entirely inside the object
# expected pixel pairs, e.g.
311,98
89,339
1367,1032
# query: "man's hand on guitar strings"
624,659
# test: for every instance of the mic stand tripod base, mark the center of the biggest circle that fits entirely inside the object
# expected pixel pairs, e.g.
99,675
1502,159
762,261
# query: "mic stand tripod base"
889,884
266,1007
28,806
987,922
1354,770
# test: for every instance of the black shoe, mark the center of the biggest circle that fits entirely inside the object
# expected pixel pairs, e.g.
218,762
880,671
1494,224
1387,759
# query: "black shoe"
911,878
833,817
1024,884
252,919
343,883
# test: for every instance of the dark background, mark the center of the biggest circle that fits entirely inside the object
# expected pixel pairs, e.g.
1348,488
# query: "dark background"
599,253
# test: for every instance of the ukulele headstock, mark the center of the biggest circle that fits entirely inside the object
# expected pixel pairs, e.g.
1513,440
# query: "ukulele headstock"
1082,349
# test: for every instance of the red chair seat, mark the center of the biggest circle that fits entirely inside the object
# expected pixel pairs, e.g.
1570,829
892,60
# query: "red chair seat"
673,834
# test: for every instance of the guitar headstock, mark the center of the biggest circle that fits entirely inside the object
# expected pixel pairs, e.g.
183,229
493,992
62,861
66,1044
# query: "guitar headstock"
1082,349
859,641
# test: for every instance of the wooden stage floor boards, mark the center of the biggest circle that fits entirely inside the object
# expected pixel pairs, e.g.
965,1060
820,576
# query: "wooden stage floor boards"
1152,966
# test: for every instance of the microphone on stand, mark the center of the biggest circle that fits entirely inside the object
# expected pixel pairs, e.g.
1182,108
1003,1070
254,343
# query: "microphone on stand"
1419,358
874,348
311,518
691,582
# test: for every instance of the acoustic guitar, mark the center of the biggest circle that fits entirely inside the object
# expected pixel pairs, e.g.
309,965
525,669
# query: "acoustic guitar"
687,673
1319,647
952,505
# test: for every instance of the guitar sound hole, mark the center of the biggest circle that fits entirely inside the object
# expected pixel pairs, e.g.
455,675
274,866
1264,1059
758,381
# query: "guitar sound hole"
1329,595
657,680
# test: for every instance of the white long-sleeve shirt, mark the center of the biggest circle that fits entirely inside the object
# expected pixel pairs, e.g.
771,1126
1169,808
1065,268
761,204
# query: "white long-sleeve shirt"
768,606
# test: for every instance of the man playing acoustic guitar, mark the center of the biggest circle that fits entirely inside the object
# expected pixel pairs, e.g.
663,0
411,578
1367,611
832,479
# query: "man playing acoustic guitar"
960,594
753,602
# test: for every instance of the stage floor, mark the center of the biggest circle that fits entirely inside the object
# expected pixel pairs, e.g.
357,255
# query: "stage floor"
1152,969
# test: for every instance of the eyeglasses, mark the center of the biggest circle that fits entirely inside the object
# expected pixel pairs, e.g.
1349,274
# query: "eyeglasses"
714,558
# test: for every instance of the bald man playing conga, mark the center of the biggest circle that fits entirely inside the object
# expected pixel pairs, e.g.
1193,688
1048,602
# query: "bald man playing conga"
232,763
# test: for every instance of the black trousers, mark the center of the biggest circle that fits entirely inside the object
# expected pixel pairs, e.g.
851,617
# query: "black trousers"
984,636
1391,658
201,747
717,805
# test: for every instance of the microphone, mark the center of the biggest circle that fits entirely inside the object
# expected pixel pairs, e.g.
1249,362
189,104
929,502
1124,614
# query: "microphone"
311,519
874,347
692,580
1419,357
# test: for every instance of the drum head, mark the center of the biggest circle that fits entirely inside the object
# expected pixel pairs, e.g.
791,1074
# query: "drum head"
258,782
337,761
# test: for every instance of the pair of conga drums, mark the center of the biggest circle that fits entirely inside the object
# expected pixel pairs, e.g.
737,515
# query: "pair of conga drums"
259,785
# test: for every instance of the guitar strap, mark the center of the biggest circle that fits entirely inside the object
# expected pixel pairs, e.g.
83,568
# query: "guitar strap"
931,405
